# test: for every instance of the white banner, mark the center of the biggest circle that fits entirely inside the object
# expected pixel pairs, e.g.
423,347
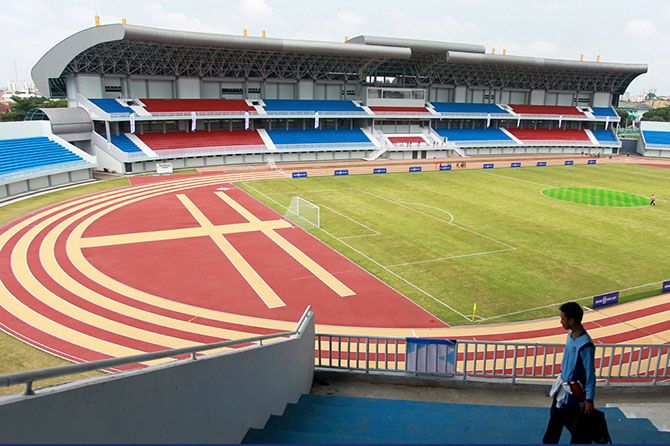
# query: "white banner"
560,119
607,122
316,120
488,120
246,120
132,123
193,121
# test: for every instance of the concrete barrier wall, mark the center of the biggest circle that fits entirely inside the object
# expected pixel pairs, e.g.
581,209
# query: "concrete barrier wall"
210,400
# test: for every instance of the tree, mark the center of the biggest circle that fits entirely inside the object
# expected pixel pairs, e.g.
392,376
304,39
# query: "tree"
659,114
20,107
625,117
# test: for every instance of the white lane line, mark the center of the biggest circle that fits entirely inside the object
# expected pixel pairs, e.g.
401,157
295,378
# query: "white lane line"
424,292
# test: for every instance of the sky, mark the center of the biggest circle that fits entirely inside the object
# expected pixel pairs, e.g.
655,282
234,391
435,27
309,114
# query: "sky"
617,30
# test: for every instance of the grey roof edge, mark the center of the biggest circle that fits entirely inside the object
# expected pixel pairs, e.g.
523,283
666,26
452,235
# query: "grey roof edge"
143,33
68,120
54,61
537,62
419,46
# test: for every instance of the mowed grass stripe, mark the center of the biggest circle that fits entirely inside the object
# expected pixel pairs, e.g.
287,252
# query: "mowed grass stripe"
595,197
562,251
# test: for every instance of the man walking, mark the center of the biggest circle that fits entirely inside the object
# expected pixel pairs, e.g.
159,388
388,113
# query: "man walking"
652,202
574,390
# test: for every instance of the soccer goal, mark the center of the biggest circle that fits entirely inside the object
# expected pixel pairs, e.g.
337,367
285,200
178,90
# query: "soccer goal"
304,213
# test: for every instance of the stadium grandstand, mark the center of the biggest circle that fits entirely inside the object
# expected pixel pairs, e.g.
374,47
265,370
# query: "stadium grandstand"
369,96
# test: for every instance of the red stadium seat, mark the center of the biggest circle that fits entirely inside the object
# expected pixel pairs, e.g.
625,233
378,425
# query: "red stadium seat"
406,139
196,105
546,110
549,135
217,138
399,109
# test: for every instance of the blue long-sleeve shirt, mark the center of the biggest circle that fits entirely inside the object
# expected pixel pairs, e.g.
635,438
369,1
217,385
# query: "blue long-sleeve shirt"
583,371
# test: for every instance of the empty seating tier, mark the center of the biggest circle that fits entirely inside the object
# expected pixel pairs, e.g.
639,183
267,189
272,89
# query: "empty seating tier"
111,106
605,136
461,108
399,110
196,105
30,153
316,136
550,135
548,110
488,134
125,144
284,105
216,138
604,111
656,137
406,139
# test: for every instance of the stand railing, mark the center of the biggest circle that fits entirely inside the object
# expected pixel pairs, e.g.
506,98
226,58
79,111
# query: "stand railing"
466,359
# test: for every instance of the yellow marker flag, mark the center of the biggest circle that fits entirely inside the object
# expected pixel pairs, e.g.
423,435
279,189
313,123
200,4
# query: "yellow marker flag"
474,310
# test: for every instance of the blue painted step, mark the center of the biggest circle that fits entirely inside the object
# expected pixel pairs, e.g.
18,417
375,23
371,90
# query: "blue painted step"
332,419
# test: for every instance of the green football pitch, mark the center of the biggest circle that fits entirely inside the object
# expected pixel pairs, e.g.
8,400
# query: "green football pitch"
516,242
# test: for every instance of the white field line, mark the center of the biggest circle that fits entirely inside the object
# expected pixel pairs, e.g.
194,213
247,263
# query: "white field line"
450,222
372,231
555,305
418,262
303,191
424,292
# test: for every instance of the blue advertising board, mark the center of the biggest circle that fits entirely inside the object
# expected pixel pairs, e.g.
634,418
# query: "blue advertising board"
515,165
445,167
569,162
605,299
488,166
430,355
541,164
415,169
299,174
591,162
666,287
379,170
342,172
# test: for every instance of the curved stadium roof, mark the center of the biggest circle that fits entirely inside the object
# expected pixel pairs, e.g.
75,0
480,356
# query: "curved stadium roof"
142,51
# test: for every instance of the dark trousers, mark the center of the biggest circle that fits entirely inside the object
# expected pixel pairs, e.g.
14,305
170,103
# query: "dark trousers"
566,417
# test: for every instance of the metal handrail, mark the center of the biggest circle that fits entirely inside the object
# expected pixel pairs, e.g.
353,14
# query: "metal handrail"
29,377
630,363
204,113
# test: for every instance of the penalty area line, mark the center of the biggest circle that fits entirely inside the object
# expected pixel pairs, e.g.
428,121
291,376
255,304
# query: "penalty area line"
422,291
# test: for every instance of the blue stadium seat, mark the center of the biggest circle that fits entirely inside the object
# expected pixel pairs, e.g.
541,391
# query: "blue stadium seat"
603,112
29,153
315,136
488,134
454,107
111,106
124,143
656,137
311,106
604,135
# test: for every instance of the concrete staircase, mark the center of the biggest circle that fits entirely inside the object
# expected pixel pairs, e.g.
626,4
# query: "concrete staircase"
336,419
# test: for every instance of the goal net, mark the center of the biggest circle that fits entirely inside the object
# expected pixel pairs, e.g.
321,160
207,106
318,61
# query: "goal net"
304,213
